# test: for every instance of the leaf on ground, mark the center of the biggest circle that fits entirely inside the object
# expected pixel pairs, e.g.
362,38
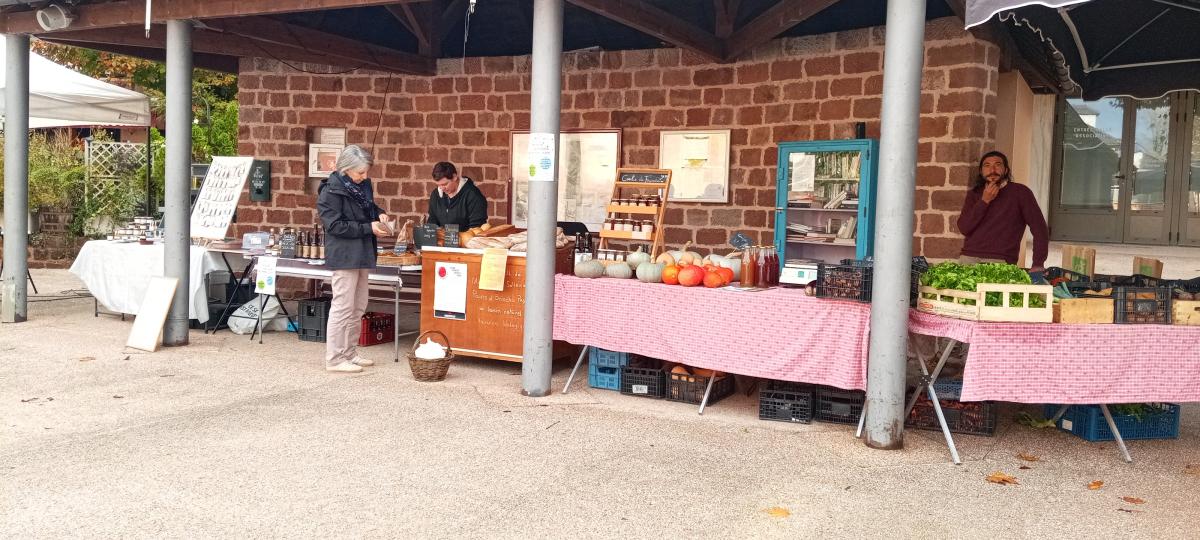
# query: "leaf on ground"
118,397
86,358
1001,478
1026,419
1028,457
30,400
1127,510
1096,484
1192,468
778,512
1133,500
1024,467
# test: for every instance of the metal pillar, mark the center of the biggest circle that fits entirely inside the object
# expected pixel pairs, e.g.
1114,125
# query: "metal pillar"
177,221
903,59
545,101
13,289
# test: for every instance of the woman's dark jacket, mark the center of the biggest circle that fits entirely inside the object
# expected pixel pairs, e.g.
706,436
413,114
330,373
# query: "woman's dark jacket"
467,208
349,241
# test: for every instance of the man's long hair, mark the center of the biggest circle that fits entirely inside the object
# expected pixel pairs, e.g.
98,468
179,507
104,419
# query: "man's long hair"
980,181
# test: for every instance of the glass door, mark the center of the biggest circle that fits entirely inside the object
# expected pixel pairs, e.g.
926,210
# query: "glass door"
1189,182
1147,208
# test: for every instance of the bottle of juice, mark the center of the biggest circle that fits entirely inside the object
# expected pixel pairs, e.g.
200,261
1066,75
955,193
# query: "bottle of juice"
762,274
748,266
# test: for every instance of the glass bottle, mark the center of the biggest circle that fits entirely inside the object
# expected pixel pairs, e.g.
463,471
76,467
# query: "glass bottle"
761,274
271,239
773,265
321,247
748,266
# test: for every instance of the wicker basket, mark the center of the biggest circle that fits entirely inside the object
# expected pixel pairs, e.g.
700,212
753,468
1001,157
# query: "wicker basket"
430,370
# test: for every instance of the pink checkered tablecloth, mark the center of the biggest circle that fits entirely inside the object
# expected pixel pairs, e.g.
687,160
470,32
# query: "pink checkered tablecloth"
775,334
1073,363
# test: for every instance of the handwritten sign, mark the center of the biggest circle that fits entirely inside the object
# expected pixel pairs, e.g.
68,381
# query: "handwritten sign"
219,196
287,245
426,235
643,176
260,180
450,239
264,282
491,269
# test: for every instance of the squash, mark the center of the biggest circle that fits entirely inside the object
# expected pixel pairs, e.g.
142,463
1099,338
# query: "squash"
680,370
726,274
665,259
716,260
636,258
683,256
700,372
691,275
670,274
589,269
620,271
713,280
649,272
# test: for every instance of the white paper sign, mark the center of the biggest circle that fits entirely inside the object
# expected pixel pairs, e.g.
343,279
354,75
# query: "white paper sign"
541,157
218,198
264,282
804,171
450,291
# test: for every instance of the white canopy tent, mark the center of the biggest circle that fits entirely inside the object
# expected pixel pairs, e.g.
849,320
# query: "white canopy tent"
61,97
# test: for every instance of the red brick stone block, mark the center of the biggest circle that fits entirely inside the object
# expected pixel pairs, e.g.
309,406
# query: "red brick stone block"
937,247
680,97
748,116
507,83
823,66
785,70
838,109
862,62
766,93
654,98
931,175
846,87
970,101
677,77
698,117
933,127
867,108
628,119
712,77
669,118
949,55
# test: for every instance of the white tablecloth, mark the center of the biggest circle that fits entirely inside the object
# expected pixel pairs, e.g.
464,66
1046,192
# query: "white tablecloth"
117,274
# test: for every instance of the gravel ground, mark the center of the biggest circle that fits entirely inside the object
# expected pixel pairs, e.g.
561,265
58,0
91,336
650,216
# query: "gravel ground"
230,438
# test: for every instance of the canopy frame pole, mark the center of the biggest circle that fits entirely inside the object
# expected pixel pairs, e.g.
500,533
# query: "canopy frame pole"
1127,38
177,221
545,110
904,54
14,299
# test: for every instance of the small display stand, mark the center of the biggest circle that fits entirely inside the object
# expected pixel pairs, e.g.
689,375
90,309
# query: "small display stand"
630,183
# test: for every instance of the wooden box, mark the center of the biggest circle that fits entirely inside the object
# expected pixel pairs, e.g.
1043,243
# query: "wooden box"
1084,311
1186,312
946,303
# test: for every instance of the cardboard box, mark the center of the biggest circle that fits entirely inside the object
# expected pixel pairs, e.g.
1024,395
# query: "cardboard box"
1079,259
1147,267
1185,312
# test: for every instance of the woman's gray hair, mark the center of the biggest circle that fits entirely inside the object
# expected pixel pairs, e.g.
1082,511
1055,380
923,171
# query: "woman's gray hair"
353,157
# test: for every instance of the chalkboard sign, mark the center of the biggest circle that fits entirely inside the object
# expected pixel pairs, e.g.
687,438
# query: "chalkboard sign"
451,238
287,245
643,176
260,180
425,235
218,198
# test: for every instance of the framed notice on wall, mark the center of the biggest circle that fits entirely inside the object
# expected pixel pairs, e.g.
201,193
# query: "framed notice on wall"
322,159
219,196
587,164
699,164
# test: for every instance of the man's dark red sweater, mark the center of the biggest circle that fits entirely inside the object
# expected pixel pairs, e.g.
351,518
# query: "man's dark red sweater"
994,229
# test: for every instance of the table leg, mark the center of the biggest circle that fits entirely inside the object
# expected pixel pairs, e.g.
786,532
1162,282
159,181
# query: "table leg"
862,420
1058,415
707,391
258,329
396,320
229,305
927,380
1116,433
937,408
578,363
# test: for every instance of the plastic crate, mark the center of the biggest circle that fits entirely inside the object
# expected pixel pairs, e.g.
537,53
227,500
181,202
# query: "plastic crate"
1142,305
967,417
1055,272
690,388
1088,423
643,382
851,280
313,316
1088,289
786,402
607,358
604,377
1116,281
377,328
838,406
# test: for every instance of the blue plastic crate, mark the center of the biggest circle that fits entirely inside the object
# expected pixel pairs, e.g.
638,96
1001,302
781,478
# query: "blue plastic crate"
604,377
1087,422
605,358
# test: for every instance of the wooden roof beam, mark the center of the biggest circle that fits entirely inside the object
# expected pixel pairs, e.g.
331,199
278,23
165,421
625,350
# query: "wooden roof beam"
423,21
774,21
214,62
655,22
726,14
130,12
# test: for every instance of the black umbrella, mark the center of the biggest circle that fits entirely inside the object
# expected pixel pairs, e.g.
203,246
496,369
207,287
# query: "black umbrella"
1139,48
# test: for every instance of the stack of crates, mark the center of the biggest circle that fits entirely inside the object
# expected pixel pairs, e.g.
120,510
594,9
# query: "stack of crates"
313,317
377,328
604,368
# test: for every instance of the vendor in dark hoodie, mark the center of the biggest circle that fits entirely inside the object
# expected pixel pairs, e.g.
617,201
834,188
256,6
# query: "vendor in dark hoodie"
456,200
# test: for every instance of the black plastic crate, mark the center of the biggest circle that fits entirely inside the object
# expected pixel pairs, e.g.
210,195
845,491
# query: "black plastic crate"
967,417
1055,272
313,317
643,381
1117,281
851,280
786,402
1142,305
838,406
1088,289
690,388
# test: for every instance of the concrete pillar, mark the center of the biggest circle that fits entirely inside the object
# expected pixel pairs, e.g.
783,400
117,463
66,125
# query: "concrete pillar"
177,218
903,59
545,108
13,287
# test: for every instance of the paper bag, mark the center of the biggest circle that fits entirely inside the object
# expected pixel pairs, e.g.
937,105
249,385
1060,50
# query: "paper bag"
1079,259
1147,267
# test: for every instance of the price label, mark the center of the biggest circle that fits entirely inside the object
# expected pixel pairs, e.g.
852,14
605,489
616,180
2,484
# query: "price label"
287,246
426,235
451,237
640,389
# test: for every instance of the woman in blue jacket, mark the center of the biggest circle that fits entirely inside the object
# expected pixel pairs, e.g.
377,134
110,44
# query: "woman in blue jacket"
352,220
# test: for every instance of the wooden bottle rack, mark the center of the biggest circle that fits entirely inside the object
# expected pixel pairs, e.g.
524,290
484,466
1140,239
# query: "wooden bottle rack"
629,180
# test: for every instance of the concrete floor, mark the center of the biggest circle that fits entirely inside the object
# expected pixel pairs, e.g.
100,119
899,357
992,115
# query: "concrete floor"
229,438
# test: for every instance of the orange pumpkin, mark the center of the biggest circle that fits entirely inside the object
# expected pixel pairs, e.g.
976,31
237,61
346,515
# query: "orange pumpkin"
691,275
670,275
713,280
726,274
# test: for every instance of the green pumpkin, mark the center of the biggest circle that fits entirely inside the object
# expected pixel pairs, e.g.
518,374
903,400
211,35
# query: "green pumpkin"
618,270
589,269
649,272
635,259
